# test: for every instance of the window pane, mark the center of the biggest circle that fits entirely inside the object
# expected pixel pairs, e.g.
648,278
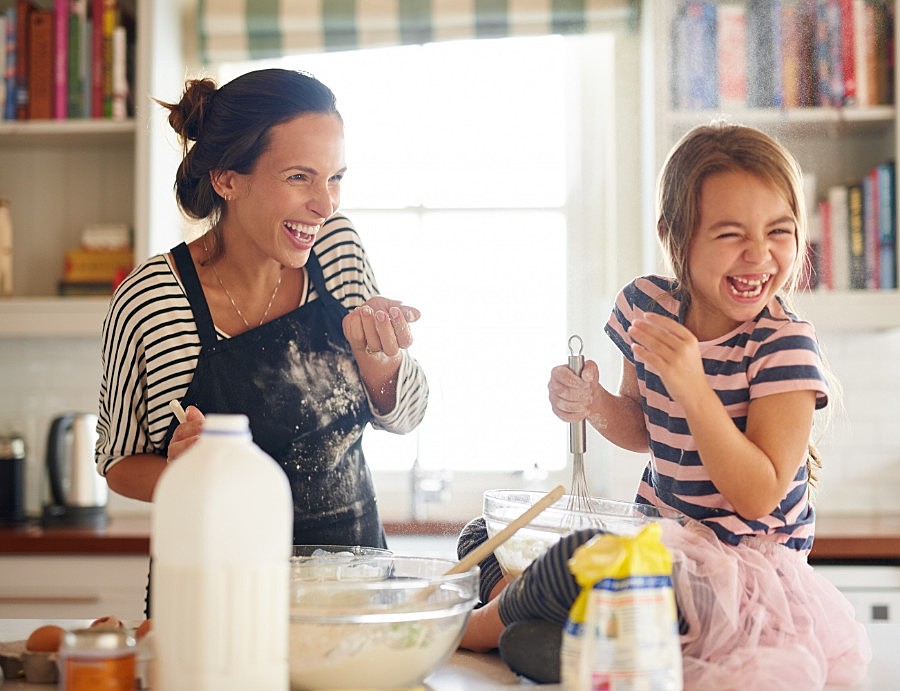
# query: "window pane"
449,125
492,293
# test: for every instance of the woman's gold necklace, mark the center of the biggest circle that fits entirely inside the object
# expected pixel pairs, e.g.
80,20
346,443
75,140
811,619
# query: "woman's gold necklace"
231,299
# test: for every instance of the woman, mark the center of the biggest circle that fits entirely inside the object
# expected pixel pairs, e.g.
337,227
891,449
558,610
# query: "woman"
273,312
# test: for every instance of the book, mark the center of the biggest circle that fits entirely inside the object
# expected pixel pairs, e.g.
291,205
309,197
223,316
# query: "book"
40,65
870,227
96,60
764,77
77,65
61,59
695,81
119,76
839,235
110,21
95,266
857,242
731,52
23,13
825,257
887,225
829,58
863,52
9,71
848,51
3,19
82,288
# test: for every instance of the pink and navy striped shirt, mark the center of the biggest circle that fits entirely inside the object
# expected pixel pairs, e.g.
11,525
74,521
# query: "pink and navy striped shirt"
774,353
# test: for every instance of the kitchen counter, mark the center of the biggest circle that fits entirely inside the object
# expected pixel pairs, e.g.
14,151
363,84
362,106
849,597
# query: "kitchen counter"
467,671
838,538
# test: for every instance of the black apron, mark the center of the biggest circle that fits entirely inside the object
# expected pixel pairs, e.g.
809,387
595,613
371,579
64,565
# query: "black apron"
296,379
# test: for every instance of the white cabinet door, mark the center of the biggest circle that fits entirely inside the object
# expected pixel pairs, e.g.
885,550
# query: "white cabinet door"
874,591
73,586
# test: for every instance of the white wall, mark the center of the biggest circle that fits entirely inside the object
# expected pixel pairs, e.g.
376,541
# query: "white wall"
40,378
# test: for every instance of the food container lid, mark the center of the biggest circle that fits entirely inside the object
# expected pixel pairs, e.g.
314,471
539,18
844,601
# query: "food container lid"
11,448
97,639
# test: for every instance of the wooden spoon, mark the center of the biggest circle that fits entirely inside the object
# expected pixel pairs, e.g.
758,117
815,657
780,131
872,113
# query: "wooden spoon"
489,545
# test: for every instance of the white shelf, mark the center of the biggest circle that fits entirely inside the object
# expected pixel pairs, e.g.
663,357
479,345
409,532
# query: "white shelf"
41,317
851,310
65,132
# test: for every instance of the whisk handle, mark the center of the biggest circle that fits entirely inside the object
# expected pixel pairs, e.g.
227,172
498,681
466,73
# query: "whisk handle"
576,429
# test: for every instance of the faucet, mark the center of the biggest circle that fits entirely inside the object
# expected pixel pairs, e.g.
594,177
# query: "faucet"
428,487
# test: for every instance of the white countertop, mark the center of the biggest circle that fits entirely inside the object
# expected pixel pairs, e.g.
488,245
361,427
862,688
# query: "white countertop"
467,671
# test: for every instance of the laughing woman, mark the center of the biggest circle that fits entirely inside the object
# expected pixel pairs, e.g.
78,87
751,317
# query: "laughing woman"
273,312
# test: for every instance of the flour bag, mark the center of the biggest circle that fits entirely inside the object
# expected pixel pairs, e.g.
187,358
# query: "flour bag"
622,630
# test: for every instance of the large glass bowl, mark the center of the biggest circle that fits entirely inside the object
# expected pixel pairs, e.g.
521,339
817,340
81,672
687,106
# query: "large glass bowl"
317,562
387,622
501,506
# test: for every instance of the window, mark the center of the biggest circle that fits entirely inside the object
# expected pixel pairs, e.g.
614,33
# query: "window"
460,181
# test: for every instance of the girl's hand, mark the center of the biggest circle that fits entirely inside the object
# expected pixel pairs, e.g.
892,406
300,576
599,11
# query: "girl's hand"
571,396
380,326
671,350
187,433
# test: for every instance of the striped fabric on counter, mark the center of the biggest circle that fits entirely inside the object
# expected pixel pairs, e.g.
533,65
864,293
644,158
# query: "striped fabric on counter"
234,30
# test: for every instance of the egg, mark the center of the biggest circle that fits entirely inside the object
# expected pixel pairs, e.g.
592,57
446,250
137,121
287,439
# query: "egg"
143,629
45,639
107,623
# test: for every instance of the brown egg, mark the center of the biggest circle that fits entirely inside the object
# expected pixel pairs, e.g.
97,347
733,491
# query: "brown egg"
45,639
107,623
143,629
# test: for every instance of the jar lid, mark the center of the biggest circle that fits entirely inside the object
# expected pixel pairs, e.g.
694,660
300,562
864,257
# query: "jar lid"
12,447
97,639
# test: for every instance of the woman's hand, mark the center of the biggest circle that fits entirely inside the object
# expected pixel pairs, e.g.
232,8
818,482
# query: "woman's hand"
187,433
380,326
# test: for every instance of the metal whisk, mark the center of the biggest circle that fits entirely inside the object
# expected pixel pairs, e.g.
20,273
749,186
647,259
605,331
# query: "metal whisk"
579,495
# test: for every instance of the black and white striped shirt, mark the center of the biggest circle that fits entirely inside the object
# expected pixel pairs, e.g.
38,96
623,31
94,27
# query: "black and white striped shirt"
150,345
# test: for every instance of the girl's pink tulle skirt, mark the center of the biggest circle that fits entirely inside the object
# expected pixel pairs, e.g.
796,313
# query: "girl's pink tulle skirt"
760,617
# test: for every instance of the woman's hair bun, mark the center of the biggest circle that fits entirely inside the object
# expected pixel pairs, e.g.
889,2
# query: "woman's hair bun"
186,116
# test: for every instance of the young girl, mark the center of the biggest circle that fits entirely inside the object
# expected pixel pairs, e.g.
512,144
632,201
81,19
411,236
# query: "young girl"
720,381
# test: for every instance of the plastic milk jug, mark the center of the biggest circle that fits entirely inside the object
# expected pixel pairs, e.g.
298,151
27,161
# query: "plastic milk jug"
221,541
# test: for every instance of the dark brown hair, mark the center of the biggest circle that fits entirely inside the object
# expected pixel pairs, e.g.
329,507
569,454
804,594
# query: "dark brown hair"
227,128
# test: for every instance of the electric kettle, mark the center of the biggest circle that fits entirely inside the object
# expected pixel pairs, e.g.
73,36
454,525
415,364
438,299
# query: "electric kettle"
76,493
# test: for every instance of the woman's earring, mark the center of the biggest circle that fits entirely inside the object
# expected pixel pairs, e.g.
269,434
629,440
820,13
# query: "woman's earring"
227,197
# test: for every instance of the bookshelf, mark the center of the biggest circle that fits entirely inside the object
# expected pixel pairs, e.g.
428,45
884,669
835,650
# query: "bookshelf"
61,175
838,144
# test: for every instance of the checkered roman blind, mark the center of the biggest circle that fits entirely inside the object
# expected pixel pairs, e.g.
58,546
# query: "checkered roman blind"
232,30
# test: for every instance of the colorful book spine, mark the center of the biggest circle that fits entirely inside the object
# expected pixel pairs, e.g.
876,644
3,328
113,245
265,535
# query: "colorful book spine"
887,225
23,14
41,65
9,72
829,63
870,228
694,66
76,65
857,242
848,51
826,255
764,79
840,237
110,20
731,35
96,101
61,60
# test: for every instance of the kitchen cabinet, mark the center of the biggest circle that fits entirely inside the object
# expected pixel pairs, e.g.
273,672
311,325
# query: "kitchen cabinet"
60,175
837,144
73,586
